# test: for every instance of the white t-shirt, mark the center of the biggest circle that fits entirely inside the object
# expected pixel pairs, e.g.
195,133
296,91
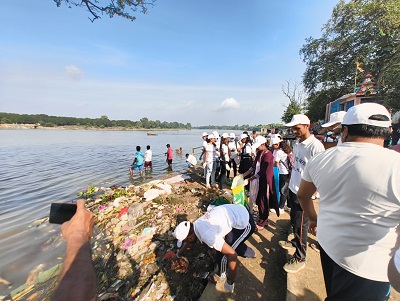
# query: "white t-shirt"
357,222
147,155
225,150
302,153
280,156
211,153
214,225
191,160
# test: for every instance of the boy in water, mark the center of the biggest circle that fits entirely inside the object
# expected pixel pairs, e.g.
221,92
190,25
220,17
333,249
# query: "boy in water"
147,158
137,162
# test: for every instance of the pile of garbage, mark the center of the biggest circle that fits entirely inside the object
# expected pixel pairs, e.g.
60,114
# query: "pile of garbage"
133,232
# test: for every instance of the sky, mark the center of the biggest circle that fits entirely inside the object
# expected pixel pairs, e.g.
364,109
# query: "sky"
201,62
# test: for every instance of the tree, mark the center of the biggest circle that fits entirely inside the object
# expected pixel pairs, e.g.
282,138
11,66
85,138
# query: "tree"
119,8
296,99
360,32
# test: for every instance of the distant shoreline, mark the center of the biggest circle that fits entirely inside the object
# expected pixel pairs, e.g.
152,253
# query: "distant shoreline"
13,126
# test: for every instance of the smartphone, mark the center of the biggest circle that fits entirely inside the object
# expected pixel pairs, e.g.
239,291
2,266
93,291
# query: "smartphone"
61,212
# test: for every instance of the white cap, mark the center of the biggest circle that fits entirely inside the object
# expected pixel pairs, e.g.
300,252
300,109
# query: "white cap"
204,134
360,114
242,136
261,140
225,135
215,133
298,119
275,140
336,117
211,136
181,232
232,135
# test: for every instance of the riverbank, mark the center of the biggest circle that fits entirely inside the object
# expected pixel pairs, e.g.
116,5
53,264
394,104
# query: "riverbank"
13,126
133,232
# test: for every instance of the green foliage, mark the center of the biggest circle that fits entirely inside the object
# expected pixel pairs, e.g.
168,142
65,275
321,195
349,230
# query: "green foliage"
112,195
293,108
236,127
102,122
89,192
296,99
363,31
120,8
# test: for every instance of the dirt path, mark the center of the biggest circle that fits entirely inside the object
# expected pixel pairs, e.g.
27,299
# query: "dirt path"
264,279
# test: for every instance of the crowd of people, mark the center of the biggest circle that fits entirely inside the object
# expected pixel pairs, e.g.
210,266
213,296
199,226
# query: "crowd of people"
357,222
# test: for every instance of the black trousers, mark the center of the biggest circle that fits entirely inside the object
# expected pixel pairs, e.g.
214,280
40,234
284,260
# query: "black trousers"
236,239
232,165
342,285
299,223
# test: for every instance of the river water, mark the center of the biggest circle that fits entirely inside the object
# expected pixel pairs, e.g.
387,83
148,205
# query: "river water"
38,167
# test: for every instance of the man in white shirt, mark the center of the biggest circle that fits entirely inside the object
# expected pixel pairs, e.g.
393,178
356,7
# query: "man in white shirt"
357,224
306,148
224,228
191,160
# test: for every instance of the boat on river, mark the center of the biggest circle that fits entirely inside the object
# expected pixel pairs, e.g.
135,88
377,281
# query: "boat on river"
151,134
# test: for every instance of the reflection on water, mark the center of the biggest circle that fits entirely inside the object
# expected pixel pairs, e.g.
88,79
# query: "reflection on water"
38,167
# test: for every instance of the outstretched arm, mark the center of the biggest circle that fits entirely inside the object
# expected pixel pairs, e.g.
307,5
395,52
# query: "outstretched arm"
77,279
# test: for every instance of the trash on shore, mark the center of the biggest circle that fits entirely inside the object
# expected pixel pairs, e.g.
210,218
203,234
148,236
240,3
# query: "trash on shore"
132,235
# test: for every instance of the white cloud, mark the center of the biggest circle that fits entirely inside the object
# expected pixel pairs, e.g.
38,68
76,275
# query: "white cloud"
73,72
229,103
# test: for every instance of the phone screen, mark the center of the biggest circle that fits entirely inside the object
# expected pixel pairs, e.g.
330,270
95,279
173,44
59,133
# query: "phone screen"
61,212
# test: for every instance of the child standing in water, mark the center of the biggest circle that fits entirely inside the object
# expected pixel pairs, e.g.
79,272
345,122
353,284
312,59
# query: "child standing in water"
137,162
147,158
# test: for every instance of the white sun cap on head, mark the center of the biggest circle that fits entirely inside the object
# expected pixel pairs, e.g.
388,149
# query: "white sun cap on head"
232,135
215,133
334,118
211,136
260,140
242,136
225,135
275,140
204,134
298,119
181,232
360,114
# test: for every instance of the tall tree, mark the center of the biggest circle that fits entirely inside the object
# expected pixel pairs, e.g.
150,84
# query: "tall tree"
296,98
111,8
366,32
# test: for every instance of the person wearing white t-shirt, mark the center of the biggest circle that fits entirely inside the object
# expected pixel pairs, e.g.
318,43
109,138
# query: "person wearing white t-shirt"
234,159
147,158
282,161
305,148
358,223
224,228
224,159
191,160
210,158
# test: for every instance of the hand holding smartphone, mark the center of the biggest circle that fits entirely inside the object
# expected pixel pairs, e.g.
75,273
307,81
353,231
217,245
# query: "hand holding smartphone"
61,212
